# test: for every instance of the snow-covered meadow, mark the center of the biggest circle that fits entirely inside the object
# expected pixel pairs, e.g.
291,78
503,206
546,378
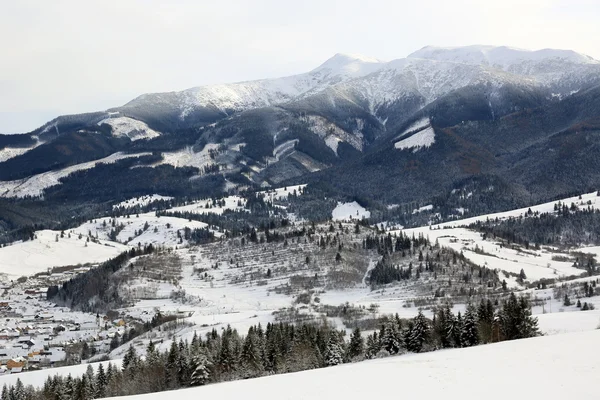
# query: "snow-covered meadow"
554,367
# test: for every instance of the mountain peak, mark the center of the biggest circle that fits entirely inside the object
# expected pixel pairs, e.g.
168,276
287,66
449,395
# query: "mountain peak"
350,64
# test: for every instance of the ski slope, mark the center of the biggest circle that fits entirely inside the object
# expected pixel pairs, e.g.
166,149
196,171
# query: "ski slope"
549,368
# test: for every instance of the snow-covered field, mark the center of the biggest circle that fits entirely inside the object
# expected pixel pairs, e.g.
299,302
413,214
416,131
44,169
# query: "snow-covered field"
35,185
282,193
38,378
44,252
346,211
555,367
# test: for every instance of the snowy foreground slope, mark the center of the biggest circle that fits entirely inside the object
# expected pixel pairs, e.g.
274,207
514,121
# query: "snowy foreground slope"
554,367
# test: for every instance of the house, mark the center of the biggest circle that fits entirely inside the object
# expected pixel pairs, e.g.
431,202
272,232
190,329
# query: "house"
17,362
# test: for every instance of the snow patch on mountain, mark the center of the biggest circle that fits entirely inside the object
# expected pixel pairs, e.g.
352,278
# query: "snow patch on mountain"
129,127
11,152
422,139
189,158
34,185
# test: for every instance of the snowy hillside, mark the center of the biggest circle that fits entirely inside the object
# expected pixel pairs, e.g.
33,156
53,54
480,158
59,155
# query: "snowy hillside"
537,263
555,367
141,229
46,251
34,186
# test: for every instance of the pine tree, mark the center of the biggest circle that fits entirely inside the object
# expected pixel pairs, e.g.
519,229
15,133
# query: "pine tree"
4,395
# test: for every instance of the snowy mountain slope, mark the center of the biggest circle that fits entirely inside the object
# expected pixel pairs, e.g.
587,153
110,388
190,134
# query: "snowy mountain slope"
235,97
535,367
35,185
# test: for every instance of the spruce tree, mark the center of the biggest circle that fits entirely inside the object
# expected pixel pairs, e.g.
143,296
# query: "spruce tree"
356,345
469,334
201,370
418,334
334,353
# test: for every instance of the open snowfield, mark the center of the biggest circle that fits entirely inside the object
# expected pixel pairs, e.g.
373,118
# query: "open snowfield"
347,211
554,367
38,255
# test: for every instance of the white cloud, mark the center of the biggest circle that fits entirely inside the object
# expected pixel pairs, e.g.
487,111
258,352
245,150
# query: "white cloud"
68,56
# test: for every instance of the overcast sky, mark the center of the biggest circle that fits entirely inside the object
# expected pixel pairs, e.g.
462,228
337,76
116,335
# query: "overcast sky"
72,56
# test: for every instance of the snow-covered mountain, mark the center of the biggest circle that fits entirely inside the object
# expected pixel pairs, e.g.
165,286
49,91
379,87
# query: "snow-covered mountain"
498,100
429,72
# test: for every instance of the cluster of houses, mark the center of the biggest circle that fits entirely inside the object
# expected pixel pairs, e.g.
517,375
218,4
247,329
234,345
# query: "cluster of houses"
36,335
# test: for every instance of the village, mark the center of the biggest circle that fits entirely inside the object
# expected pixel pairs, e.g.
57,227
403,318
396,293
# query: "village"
37,334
